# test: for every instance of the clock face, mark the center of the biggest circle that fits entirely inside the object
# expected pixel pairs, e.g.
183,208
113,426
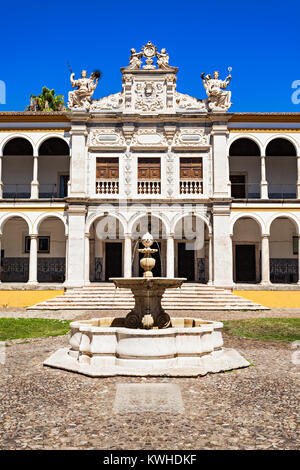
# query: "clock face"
149,50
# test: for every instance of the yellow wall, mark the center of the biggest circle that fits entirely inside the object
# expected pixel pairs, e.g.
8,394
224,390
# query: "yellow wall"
26,298
273,299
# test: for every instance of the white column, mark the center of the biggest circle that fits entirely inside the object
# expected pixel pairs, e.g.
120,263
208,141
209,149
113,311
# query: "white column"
127,256
263,179
210,259
298,258
78,163
220,163
76,246
0,258
66,257
298,177
87,258
265,260
170,256
34,182
222,246
1,183
33,259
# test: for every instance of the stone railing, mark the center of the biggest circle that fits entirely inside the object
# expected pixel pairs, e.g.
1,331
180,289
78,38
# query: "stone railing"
148,187
191,187
107,186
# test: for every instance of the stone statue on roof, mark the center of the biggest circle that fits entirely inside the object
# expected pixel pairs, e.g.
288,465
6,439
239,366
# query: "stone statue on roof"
219,99
81,98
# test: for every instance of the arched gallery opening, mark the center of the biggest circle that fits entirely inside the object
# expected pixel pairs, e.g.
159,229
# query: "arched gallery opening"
192,248
284,251
51,256
53,168
106,248
17,168
244,169
246,244
14,255
157,228
281,169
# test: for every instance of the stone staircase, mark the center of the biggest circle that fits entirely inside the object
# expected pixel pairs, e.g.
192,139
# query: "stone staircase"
190,296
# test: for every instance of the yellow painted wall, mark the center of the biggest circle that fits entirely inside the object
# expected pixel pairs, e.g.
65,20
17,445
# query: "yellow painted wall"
273,299
26,298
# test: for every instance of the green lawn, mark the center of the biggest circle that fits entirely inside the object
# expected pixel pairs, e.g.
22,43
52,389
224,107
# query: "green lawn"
266,329
16,328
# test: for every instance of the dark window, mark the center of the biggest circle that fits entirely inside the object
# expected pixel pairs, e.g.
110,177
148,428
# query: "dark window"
238,186
43,244
295,245
280,148
18,146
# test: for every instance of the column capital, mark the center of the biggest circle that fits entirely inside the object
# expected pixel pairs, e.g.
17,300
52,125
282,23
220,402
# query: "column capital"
265,235
33,236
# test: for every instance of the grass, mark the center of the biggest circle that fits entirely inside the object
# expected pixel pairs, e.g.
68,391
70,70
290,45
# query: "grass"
265,329
16,328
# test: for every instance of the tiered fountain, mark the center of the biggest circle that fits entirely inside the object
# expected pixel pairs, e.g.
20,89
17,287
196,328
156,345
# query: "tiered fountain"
147,342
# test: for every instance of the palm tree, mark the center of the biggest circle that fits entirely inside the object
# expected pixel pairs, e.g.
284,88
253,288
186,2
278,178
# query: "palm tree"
46,101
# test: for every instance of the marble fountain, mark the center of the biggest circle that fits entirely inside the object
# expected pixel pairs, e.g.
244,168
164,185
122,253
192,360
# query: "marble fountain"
147,342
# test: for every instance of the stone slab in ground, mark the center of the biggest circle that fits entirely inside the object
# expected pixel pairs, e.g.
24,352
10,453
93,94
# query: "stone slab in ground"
152,398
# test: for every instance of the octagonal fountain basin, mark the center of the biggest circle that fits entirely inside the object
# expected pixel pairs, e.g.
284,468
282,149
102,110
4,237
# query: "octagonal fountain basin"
103,347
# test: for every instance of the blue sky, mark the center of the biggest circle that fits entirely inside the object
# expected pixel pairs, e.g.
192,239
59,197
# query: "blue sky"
258,39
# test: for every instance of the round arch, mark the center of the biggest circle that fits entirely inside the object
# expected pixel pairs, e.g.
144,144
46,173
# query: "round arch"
46,137
11,215
133,220
177,218
97,216
284,215
245,136
247,215
16,136
43,217
283,137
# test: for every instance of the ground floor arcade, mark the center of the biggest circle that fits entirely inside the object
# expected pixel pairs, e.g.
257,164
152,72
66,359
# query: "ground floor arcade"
78,248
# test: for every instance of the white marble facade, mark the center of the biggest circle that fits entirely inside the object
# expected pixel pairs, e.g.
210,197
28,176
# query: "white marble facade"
149,124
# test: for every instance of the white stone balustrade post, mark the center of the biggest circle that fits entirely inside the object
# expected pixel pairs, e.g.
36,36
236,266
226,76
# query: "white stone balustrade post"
265,260
34,182
87,258
33,255
263,179
127,256
170,256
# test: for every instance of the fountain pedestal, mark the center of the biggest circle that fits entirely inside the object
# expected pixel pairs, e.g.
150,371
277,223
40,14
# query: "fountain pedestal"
148,292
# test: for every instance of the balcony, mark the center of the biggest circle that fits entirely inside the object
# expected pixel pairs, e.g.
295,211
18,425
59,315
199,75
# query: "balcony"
148,187
253,191
110,186
192,186
23,191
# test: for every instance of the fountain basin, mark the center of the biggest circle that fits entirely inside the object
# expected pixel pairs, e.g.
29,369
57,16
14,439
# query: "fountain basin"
105,347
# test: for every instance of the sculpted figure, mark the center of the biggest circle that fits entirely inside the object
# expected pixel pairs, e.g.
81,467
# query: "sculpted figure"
218,98
81,98
163,59
135,60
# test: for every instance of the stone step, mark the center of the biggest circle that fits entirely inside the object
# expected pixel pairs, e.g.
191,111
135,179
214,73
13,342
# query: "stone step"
188,297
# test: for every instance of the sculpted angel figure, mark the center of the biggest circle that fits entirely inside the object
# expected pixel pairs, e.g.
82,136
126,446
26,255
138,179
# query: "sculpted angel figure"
219,99
81,98
135,60
163,59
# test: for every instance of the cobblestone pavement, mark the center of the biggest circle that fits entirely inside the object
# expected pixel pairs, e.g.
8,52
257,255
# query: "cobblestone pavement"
252,408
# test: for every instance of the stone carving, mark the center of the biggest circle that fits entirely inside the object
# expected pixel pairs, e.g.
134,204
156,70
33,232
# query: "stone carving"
187,102
149,96
190,137
81,98
149,137
149,52
110,137
219,99
112,102
135,60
